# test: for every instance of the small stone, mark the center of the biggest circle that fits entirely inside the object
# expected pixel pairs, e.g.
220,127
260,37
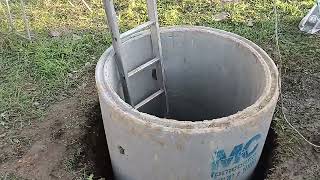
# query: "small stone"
36,103
70,75
83,85
17,141
222,16
317,75
3,135
3,115
76,37
87,64
250,23
54,33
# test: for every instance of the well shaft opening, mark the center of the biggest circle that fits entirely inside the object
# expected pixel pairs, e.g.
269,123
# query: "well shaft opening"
207,76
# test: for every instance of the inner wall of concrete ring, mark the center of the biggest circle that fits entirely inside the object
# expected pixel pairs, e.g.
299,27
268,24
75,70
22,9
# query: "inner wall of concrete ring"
222,93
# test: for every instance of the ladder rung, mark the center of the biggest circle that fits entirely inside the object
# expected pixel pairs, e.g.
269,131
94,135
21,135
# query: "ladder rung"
148,99
141,27
143,66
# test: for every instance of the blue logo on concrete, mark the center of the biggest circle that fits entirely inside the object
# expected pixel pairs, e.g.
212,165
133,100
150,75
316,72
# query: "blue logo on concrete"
240,152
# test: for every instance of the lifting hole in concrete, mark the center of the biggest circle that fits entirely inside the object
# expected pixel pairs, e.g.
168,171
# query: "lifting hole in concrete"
121,150
154,74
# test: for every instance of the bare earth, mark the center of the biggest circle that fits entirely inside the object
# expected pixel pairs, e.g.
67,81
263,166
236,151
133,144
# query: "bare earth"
302,105
70,138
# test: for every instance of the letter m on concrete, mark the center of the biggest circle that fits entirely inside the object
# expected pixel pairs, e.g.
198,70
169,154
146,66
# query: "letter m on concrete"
222,160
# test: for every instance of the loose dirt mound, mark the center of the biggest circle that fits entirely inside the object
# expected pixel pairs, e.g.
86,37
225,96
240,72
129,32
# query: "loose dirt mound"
69,139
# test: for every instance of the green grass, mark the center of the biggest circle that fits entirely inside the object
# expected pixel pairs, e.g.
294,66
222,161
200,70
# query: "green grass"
36,73
10,177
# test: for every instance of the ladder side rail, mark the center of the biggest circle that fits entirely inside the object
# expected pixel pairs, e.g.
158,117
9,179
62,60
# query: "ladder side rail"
116,43
156,44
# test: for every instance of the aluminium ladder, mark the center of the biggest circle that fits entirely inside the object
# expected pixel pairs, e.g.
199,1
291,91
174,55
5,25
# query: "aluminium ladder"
125,76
